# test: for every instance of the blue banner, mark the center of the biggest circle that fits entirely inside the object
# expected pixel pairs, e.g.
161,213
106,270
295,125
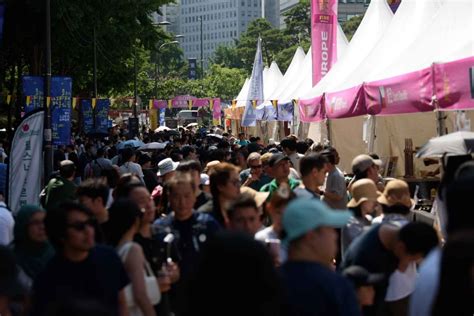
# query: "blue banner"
285,112
2,13
162,117
87,116
61,91
102,116
269,113
33,92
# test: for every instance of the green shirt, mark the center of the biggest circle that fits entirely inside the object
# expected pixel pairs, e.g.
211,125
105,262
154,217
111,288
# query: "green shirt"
59,190
273,186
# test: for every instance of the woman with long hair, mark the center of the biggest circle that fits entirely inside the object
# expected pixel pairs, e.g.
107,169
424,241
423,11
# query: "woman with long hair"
123,225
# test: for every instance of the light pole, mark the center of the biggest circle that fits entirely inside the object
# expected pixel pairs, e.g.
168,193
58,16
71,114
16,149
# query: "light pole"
156,61
202,58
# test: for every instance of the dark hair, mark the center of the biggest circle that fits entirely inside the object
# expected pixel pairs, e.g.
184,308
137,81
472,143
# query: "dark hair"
56,221
456,286
395,209
218,154
356,210
418,238
176,155
126,184
459,204
219,175
330,154
245,200
100,152
122,215
189,165
252,269
67,170
302,147
94,188
127,153
311,161
289,143
144,158
187,150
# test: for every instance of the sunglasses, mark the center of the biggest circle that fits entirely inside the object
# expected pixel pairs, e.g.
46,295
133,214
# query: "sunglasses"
81,226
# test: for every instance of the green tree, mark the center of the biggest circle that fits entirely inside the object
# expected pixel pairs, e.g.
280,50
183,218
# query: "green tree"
350,26
298,23
227,56
224,82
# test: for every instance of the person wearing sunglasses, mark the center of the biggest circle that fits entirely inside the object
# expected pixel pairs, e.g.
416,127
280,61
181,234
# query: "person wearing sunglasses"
80,268
254,177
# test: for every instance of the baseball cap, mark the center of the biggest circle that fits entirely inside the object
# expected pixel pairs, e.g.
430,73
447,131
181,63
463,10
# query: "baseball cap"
276,158
359,276
304,215
363,162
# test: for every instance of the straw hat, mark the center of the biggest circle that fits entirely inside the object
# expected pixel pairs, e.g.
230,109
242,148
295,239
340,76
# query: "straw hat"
396,192
259,197
363,190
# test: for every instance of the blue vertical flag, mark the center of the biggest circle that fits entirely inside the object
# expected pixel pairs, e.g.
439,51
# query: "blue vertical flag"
102,116
255,94
61,91
33,92
87,116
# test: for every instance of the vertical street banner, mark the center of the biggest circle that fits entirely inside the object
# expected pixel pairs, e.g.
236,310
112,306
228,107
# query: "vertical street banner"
102,116
87,116
192,68
153,115
162,116
32,92
26,162
323,37
61,96
255,94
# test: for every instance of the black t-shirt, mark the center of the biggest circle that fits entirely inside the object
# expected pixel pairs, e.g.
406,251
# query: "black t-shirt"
312,289
369,252
99,278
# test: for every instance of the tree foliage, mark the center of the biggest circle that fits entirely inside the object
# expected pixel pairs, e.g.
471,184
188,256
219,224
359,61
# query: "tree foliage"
350,26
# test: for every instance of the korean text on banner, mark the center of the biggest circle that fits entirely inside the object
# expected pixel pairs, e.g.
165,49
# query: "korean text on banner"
33,87
26,165
87,116
323,36
102,116
255,89
61,91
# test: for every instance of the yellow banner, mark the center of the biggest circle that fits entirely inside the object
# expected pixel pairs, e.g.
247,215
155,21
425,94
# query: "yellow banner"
234,104
9,99
170,104
190,104
275,103
150,104
153,119
48,101
94,102
211,104
254,104
74,103
28,100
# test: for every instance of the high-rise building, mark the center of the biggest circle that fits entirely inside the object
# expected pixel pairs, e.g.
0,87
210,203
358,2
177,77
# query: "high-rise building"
210,23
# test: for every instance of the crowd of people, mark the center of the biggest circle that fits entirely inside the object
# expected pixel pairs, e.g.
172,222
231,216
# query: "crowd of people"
224,225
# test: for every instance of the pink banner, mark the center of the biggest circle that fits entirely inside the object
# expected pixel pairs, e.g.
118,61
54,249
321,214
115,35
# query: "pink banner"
323,36
408,93
182,102
311,110
454,84
346,103
216,109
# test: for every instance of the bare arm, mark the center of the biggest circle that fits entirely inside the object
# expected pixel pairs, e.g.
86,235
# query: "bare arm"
134,265
122,304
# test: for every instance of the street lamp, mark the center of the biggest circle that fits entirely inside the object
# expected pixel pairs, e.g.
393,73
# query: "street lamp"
156,61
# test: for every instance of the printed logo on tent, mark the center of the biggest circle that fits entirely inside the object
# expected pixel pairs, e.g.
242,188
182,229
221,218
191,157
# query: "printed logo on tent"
471,77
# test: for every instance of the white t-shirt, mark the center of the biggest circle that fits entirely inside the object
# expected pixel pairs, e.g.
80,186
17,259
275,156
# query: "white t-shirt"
6,225
402,284
269,233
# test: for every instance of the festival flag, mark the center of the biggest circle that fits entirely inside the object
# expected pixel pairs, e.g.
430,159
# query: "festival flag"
170,104
150,104
9,99
323,37
234,104
211,104
74,103
275,103
190,104
255,89
28,100
94,102
48,101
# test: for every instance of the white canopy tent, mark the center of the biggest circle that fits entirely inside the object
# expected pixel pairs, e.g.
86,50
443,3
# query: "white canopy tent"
242,96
